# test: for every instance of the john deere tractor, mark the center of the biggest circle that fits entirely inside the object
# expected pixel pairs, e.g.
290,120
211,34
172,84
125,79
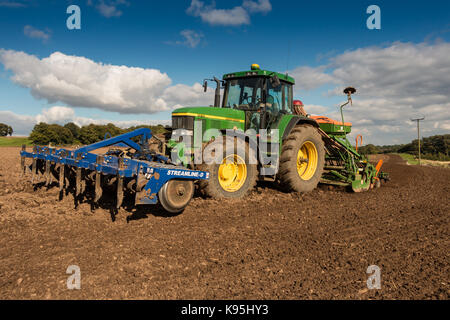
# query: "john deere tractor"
270,139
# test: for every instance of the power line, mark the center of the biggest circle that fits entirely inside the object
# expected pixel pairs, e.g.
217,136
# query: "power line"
418,132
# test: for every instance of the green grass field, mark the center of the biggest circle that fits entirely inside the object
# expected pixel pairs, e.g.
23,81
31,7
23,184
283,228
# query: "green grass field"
409,158
14,141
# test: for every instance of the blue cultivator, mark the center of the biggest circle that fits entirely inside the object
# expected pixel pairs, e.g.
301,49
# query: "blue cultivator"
148,174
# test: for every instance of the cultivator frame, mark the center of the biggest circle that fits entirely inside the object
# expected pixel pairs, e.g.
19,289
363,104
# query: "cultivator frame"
137,169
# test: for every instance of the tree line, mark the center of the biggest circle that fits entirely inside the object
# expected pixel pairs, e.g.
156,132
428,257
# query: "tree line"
72,134
433,148
5,130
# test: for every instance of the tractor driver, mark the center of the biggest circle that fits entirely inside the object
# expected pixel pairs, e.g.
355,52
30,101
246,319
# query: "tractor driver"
271,108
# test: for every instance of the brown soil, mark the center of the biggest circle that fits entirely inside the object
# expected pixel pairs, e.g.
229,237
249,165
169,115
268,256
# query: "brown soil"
271,245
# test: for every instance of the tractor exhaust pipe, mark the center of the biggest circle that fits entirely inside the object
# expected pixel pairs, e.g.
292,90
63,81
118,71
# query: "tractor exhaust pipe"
217,94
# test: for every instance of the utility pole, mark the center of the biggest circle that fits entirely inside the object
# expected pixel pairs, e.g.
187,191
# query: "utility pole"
418,132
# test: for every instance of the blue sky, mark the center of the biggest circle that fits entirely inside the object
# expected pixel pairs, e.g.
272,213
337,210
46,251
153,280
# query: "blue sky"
183,46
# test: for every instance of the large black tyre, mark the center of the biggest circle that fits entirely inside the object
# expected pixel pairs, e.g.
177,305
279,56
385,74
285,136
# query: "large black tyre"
235,186
302,159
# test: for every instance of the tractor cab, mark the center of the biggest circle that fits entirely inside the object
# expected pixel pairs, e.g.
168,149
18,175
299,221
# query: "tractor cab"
263,95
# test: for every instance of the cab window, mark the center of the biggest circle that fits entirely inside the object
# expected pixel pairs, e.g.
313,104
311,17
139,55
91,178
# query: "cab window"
244,92
287,97
274,99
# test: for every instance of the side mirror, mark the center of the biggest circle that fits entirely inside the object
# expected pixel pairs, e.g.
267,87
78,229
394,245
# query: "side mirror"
205,85
275,81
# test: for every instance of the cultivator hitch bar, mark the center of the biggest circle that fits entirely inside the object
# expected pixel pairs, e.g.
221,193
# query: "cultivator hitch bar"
137,170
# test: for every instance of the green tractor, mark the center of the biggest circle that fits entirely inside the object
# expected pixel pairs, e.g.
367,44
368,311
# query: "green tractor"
257,132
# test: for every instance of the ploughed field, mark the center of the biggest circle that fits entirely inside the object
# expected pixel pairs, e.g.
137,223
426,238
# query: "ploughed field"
270,245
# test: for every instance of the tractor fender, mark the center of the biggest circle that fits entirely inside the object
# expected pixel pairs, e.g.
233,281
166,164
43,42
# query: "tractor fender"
295,121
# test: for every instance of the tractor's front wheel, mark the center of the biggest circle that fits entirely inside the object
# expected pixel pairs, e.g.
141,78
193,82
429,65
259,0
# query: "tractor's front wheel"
302,159
233,172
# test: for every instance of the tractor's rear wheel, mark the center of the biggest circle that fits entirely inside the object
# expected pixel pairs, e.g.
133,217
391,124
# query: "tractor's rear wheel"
232,173
176,194
302,159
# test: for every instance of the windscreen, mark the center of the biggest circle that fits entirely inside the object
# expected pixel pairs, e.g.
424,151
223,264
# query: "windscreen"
243,93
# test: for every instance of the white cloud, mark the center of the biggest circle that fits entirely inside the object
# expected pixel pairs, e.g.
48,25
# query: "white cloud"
23,124
262,6
81,82
393,84
34,33
307,78
109,8
239,15
12,4
182,95
444,126
191,39
56,114
314,109
401,70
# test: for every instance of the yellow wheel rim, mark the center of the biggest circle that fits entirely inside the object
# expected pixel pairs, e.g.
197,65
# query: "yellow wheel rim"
232,173
307,159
